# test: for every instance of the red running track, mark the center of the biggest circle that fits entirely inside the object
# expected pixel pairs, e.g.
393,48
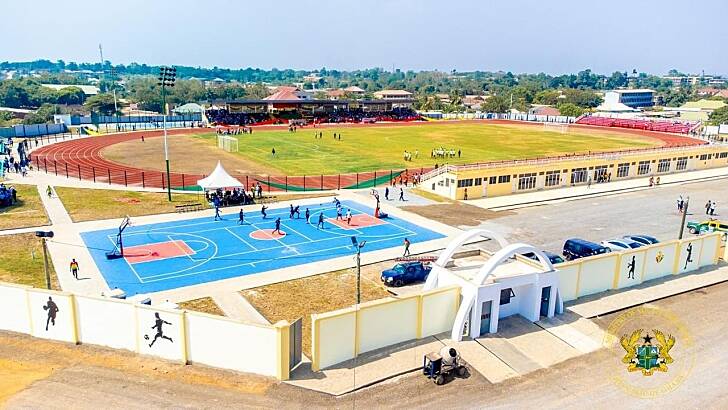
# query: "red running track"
82,159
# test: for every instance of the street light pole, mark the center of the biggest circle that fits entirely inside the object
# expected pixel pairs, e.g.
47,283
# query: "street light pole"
685,212
167,77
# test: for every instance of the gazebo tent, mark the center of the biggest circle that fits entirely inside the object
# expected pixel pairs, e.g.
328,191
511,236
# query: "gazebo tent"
219,178
189,108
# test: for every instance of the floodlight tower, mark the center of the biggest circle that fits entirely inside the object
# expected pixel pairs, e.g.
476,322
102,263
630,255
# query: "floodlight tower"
167,77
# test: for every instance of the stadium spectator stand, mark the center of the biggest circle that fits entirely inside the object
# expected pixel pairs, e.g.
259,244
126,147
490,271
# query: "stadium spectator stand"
223,117
677,127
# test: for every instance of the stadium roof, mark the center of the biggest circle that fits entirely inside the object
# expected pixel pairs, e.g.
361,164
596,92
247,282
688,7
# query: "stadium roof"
636,90
287,93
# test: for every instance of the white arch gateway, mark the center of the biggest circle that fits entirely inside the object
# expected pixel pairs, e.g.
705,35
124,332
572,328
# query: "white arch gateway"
498,288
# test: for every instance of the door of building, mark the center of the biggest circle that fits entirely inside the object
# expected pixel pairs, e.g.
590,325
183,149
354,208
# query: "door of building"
545,298
485,318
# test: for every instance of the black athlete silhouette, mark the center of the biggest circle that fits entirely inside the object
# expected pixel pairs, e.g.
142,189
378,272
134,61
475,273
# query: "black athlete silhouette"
630,274
52,310
158,323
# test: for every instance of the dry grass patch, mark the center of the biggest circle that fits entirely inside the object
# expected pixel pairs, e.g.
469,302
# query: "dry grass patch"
21,261
314,294
204,305
455,213
91,204
27,212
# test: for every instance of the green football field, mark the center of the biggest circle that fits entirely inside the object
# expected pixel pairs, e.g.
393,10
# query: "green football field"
380,148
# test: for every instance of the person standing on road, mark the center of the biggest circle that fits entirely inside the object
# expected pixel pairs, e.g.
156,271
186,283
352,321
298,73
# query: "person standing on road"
680,203
712,208
74,268
49,191
707,207
406,247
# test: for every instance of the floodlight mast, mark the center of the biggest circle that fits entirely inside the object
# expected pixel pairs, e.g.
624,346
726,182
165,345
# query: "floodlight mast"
167,78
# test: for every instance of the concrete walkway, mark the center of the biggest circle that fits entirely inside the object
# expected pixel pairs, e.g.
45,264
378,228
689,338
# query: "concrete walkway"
235,306
506,202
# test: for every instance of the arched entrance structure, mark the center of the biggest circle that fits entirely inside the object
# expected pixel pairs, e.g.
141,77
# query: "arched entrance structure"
487,295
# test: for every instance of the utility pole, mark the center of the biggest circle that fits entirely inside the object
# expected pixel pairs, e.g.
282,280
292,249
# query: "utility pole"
167,76
358,247
685,212
43,235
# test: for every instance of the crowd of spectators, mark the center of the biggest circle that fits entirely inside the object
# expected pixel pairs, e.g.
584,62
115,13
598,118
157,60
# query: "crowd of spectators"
223,117
236,196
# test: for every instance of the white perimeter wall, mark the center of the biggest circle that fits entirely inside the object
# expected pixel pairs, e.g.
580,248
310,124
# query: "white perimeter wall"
120,324
340,335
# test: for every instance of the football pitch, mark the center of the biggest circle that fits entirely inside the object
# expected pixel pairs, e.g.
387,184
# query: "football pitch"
377,148
369,148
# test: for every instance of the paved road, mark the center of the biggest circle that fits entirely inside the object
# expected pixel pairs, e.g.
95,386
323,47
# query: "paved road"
651,212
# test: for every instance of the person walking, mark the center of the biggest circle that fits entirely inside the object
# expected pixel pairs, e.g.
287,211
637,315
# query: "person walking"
241,217
386,193
406,247
680,204
278,226
712,208
401,194
49,191
707,207
273,152
74,268
216,201
320,224
465,197
588,182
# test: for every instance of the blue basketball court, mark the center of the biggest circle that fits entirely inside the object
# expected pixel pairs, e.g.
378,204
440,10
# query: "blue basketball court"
170,255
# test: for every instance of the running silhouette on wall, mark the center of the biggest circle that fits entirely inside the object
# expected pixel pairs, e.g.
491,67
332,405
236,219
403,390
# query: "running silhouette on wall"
690,255
158,323
630,266
52,309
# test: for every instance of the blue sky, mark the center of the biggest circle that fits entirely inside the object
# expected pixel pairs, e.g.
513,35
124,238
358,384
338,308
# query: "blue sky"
555,36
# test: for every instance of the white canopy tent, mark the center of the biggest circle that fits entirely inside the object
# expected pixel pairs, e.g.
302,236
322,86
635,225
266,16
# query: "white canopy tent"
219,178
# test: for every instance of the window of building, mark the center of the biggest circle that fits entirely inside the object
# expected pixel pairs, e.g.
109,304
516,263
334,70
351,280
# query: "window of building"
462,183
600,172
478,181
643,167
723,155
663,165
506,295
578,175
553,178
492,180
681,164
623,170
527,181
504,179
704,157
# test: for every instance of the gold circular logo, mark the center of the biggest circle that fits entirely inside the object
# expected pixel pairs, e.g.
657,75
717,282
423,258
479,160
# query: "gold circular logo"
654,350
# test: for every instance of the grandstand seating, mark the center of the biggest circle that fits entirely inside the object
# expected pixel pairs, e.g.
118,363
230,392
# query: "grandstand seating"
677,127
223,117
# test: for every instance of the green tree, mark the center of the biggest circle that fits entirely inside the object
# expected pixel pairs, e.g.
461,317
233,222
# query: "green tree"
101,103
719,116
496,103
42,115
570,110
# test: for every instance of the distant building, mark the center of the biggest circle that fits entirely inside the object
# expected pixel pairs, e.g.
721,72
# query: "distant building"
635,98
544,110
87,89
16,112
692,80
287,93
696,110
354,90
393,95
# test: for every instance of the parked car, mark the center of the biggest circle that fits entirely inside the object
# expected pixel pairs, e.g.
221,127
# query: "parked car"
621,244
711,225
554,258
576,248
405,273
643,239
